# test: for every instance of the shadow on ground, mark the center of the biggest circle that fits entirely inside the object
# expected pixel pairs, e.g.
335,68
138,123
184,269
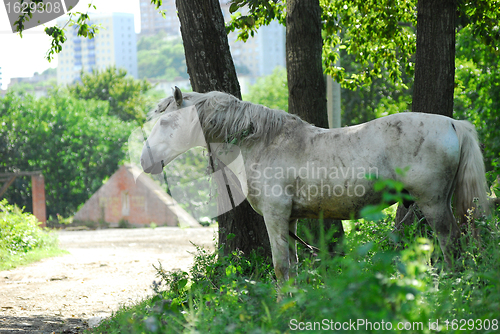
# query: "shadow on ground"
41,325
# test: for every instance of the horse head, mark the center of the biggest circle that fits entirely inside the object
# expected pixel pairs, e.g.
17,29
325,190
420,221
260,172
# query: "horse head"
177,129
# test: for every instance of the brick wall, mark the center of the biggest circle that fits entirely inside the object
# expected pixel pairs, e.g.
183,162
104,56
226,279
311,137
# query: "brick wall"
38,189
139,202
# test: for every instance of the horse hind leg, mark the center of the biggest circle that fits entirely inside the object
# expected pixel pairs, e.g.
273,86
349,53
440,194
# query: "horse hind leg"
440,218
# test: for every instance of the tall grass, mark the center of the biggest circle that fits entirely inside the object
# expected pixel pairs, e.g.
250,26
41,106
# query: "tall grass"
387,280
22,241
398,285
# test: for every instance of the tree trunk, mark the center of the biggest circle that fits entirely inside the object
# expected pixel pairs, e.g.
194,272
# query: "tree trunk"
210,67
208,59
434,83
435,57
304,44
306,82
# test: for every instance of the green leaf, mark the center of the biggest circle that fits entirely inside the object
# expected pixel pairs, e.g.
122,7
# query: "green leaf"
364,249
373,212
230,270
181,284
234,7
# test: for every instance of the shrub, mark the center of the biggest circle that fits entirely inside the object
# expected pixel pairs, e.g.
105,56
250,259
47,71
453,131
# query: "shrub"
75,143
124,223
238,294
19,232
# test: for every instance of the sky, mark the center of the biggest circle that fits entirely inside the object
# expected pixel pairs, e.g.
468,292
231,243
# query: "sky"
22,57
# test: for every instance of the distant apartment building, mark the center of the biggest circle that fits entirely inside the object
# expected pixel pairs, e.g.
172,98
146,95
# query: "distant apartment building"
115,44
257,57
34,80
37,85
261,54
153,22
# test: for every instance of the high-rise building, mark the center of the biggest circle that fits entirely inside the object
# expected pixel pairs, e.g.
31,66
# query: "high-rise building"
257,57
114,45
153,22
260,54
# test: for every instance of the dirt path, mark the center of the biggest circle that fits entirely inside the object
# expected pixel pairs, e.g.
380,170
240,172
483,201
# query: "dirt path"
105,269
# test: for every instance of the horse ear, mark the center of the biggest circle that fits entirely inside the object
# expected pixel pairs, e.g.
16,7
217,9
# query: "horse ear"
178,96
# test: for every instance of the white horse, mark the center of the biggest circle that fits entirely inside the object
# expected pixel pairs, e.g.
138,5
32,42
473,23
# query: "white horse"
292,169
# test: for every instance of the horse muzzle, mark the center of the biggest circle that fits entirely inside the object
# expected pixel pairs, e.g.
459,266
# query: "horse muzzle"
155,168
148,163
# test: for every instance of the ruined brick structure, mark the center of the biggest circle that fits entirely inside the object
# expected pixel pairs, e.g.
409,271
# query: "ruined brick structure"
139,202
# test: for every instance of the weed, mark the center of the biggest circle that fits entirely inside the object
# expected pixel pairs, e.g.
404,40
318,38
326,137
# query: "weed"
123,223
22,241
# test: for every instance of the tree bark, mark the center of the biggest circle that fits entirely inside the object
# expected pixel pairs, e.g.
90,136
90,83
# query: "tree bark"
304,45
434,83
210,67
435,57
208,58
306,82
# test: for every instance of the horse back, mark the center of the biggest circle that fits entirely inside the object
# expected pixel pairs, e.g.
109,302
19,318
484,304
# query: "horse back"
326,170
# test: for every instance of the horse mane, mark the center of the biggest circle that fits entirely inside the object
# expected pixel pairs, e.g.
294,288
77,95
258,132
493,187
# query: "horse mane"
225,117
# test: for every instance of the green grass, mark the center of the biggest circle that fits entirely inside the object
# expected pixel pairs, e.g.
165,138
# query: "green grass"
385,282
400,282
13,261
22,241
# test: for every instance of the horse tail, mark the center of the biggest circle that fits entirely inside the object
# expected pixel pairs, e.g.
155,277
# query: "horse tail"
471,189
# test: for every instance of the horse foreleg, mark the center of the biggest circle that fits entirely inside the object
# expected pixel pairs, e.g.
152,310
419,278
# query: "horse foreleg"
277,228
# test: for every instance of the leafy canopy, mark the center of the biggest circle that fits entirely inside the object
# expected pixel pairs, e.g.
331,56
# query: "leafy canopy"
160,57
124,93
379,34
477,90
271,91
76,144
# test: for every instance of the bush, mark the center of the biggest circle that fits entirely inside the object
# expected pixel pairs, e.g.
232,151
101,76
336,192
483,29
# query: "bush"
20,234
126,96
271,91
124,223
75,143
